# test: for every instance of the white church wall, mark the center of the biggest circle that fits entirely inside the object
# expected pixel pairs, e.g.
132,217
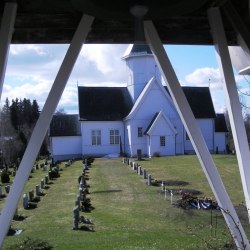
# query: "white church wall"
135,142
105,147
220,142
168,149
162,129
66,147
207,129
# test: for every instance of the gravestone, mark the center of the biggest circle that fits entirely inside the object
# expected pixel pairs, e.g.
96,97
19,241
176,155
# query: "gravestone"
1,191
42,184
37,166
7,189
44,168
31,195
38,190
50,175
77,203
75,217
25,201
139,154
14,173
46,179
32,170
149,180
144,173
139,170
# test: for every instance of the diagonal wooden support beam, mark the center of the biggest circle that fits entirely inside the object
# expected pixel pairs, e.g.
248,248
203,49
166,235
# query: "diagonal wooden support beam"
232,101
237,22
196,137
42,125
6,31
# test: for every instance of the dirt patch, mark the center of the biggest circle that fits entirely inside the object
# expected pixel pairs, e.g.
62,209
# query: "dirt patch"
169,183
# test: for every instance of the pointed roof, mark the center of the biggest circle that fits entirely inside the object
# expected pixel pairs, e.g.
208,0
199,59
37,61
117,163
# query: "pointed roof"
154,121
103,103
220,123
144,94
200,101
137,50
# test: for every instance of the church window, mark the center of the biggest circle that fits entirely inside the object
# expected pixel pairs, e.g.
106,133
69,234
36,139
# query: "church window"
96,137
139,132
187,137
114,136
162,141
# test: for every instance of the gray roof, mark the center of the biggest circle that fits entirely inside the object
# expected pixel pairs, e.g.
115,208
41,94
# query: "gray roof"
65,125
200,101
104,103
220,123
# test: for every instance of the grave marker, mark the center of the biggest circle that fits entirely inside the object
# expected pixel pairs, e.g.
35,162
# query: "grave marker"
75,217
149,180
7,189
25,201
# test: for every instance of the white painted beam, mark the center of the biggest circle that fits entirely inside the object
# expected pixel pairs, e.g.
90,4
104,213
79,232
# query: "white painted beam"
232,101
6,31
42,125
196,137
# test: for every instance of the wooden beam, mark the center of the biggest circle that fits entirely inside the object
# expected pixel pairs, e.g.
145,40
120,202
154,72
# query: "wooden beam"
196,137
42,125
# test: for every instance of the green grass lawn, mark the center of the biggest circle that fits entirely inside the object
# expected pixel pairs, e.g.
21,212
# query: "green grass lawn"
127,213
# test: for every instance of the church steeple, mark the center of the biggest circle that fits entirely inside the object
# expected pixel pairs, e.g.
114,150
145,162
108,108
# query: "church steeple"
141,67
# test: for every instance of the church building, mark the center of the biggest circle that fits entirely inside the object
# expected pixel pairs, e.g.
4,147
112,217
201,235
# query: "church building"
139,118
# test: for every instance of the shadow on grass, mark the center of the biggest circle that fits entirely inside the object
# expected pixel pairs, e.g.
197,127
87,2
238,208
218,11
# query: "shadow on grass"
107,191
86,228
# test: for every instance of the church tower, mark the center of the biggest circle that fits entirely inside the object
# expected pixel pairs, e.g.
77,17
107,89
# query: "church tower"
141,67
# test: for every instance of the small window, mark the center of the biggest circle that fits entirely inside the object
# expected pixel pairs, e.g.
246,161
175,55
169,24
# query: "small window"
96,137
114,136
187,137
139,132
162,141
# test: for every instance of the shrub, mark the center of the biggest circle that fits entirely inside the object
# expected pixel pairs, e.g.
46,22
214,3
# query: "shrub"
5,178
31,244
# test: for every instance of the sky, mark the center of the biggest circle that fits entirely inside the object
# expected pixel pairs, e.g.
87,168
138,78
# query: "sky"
31,71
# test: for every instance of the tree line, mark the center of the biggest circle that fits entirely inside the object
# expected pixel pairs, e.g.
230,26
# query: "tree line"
17,120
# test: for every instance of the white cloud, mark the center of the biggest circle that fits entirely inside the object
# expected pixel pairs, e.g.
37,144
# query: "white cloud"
24,49
31,70
204,77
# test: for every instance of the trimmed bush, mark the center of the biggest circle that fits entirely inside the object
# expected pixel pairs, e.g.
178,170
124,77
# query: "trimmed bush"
31,244
5,178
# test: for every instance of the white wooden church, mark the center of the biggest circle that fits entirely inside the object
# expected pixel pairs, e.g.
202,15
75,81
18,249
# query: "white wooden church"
140,117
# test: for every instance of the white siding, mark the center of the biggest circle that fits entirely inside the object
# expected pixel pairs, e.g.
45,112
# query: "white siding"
220,142
66,147
105,147
135,142
207,129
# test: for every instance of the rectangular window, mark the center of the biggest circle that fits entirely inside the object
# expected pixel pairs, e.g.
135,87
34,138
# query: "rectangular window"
96,137
162,141
139,132
114,136
187,137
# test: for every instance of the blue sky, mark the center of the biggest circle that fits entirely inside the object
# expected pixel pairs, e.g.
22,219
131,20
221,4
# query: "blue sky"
31,70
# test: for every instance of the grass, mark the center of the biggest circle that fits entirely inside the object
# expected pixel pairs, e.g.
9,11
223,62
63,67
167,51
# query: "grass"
127,213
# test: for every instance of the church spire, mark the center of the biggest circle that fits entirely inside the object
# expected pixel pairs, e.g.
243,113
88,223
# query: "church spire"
141,67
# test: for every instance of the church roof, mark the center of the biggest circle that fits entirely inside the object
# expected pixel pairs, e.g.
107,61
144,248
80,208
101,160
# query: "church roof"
65,125
220,123
104,103
200,101
137,49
